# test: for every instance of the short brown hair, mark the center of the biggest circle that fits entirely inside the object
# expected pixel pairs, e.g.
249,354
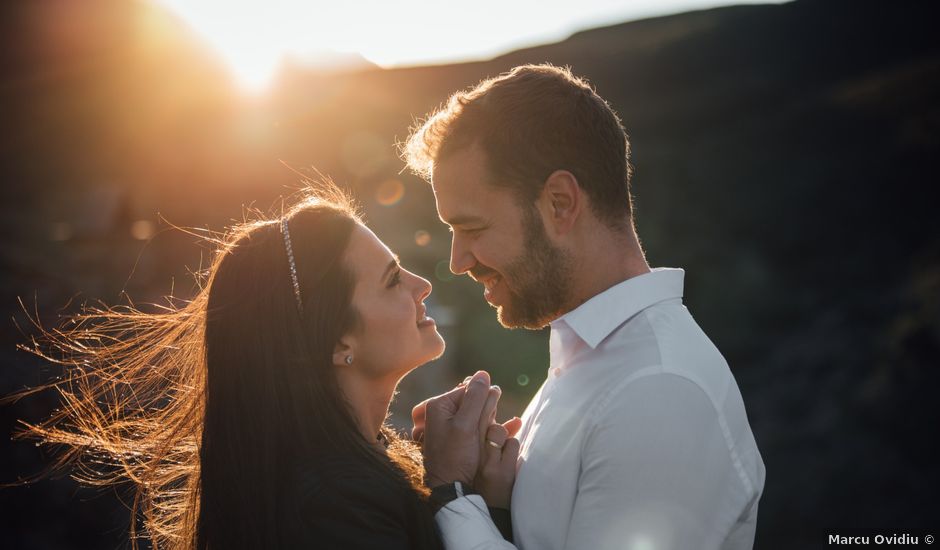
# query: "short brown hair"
531,121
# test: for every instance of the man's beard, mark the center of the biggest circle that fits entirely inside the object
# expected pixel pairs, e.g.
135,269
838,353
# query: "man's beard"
541,280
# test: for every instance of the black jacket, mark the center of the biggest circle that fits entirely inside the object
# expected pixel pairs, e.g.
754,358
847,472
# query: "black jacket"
347,505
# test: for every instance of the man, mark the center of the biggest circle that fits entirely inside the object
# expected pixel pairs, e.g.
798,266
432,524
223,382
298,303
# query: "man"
638,439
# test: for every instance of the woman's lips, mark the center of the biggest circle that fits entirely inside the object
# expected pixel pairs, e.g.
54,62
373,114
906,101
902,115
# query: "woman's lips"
425,322
423,319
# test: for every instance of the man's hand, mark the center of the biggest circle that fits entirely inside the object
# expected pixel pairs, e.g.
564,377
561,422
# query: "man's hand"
453,430
419,414
497,472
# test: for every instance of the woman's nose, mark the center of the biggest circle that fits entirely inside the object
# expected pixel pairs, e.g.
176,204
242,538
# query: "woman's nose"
424,288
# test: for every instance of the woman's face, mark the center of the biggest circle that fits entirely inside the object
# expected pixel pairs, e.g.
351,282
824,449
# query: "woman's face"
394,334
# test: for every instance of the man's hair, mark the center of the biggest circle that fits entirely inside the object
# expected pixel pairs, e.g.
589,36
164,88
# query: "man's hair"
530,122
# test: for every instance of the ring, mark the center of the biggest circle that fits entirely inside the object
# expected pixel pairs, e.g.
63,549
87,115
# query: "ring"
494,444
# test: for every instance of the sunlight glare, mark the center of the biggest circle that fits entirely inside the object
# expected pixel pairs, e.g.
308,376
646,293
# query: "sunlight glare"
254,38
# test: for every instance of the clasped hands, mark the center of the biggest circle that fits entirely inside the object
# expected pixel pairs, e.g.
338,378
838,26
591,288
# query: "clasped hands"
463,442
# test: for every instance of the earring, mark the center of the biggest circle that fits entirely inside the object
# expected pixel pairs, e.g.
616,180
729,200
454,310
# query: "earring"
349,359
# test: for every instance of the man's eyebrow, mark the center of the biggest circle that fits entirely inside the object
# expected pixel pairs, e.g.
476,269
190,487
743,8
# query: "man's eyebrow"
463,220
391,265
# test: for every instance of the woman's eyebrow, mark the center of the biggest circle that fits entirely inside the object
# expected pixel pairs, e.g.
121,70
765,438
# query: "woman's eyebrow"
391,265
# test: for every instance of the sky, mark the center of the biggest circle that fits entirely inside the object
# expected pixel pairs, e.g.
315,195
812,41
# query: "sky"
254,36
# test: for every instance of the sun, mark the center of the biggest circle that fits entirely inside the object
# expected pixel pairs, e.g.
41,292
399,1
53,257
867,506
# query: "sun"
254,38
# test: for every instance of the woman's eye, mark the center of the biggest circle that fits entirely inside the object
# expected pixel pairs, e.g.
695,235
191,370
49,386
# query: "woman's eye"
396,279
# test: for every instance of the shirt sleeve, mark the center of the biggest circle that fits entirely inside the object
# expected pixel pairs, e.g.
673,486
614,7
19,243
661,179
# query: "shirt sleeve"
656,471
465,524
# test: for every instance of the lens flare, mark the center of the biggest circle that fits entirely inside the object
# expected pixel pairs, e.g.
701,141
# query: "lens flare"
422,238
389,192
142,230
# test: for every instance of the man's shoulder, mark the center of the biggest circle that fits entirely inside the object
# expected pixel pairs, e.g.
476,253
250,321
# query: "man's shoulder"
663,335
682,347
619,397
663,347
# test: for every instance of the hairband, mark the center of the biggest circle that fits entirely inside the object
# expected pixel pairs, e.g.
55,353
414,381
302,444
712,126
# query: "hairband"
293,266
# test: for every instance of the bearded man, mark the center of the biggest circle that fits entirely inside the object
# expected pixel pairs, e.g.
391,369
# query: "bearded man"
638,439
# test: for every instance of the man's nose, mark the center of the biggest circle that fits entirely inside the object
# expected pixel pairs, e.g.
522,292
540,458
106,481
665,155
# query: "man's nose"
461,259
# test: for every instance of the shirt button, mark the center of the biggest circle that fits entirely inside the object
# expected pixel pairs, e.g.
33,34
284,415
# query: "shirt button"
556,372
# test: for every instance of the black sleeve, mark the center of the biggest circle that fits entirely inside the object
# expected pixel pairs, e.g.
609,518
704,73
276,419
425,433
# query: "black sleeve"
503,520
352,514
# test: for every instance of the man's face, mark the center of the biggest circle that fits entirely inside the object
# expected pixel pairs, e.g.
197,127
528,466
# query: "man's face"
500,243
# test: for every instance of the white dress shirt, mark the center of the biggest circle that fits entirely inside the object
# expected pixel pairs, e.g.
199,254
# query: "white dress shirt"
637,440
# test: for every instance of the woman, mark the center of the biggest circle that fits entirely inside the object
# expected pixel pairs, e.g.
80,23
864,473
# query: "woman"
254,416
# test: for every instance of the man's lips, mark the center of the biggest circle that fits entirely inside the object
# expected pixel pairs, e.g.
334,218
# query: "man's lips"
490,282
480,273
489,278
489,285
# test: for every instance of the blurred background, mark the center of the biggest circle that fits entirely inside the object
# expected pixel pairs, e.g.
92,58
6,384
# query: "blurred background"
785,155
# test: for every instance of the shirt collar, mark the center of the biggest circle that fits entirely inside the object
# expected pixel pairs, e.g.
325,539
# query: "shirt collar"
595,319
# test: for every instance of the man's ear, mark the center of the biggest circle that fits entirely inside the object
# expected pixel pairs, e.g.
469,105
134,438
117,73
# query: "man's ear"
561,201
341,351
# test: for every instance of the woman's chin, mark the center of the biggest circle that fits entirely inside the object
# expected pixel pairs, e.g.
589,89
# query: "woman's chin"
441,346
435,351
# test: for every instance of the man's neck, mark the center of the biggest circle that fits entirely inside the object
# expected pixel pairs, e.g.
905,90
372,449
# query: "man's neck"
603,261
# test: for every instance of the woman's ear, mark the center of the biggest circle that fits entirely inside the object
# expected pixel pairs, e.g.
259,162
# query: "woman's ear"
343,353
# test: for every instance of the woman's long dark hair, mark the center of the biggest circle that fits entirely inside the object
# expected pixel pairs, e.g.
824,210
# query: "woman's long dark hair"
207,406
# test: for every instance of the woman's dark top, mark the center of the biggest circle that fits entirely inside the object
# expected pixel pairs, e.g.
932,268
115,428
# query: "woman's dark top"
346,504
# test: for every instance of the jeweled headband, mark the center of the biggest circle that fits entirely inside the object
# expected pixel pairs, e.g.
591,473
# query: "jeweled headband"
293,266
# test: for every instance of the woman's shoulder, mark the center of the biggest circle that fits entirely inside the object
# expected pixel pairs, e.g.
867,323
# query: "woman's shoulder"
334,480
350,504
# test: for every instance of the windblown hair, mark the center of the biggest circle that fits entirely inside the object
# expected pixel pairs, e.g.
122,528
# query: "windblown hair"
530,122
205,407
